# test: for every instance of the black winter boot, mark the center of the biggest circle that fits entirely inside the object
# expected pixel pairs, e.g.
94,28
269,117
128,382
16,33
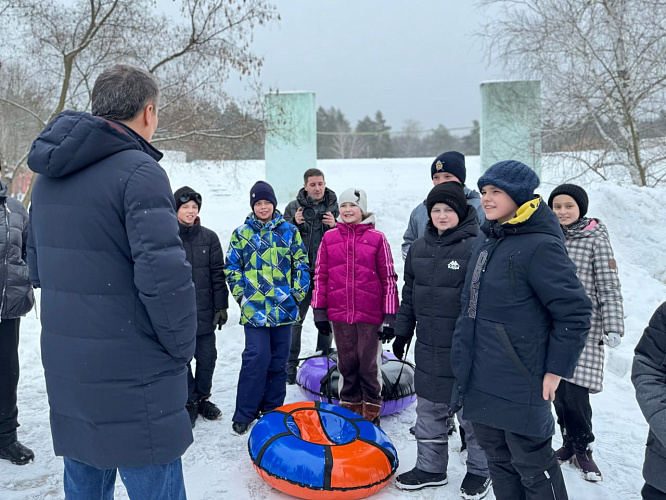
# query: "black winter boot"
474,486
208,410
192,407
291,374
417,479
17,454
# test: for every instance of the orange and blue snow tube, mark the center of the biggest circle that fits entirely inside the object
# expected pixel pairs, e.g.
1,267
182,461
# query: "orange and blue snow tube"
321,451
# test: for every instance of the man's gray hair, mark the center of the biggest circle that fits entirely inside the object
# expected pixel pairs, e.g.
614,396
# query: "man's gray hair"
122,92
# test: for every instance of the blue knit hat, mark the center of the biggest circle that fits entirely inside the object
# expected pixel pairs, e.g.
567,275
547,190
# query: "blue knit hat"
515,178
451,162
262,191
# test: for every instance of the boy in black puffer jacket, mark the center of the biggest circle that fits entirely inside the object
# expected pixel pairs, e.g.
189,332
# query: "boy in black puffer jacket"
204,253
435,269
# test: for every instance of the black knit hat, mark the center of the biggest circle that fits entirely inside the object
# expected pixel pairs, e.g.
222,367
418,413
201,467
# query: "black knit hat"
185,194
450,193
451,162
576,192
262,191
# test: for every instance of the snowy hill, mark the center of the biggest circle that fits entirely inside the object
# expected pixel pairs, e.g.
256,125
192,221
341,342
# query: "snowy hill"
217,465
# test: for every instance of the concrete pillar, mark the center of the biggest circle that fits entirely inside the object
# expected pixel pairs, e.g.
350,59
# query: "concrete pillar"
511,123
291,142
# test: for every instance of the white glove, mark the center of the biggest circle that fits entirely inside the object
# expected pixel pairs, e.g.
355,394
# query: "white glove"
613,340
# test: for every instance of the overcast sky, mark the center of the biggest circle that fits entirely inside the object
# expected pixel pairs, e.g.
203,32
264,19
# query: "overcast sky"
414,59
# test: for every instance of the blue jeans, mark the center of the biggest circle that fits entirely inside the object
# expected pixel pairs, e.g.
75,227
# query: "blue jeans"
262,382
154,482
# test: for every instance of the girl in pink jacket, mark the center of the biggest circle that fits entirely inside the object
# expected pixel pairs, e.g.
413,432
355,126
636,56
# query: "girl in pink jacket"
355,289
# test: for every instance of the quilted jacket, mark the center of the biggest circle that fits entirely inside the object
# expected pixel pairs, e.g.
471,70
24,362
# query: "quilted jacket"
354,279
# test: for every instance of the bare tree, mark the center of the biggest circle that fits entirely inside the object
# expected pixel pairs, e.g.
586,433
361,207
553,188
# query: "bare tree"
601,63
347,144
191,56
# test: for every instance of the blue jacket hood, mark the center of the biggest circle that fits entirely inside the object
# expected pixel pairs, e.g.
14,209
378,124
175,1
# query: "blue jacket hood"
74,140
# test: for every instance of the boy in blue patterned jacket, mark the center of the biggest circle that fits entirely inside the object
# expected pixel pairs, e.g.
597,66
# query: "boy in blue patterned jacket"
268,274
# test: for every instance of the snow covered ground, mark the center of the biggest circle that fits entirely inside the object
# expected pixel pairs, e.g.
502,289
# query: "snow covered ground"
217,465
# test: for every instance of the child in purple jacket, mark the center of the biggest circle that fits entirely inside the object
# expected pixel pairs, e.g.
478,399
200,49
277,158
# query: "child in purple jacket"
355,289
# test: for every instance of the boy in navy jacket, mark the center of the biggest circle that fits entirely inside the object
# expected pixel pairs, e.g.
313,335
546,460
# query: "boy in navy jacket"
525,318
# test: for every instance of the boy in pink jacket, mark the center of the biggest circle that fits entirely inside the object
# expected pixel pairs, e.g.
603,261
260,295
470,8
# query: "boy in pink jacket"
355,289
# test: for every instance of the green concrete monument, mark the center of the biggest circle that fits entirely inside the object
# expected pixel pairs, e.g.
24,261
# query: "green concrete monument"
511,123
291,141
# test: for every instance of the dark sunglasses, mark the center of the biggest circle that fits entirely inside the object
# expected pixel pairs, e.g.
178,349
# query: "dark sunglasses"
195,197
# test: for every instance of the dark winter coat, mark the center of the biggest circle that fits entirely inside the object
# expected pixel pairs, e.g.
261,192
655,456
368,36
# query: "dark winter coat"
312,233
435,271
17,297
649,377
117,302
204,253
524,313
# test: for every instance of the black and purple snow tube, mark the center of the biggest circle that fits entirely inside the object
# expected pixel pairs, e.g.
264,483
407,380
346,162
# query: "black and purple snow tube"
318,378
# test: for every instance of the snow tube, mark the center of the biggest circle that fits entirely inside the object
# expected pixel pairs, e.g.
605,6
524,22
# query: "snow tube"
318,378
321,451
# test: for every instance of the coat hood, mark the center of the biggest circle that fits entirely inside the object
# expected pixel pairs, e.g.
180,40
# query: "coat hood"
257,225
74,140
368,222
535,216
329,200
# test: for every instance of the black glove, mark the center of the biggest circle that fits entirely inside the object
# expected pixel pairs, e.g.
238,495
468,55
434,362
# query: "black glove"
399,347
386,334
323,327
220,318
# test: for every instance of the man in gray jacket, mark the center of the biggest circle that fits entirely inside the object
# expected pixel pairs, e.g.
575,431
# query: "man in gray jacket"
648,374
314,212
447,167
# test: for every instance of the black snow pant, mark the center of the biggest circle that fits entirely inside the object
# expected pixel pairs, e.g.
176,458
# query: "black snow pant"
9,376
323,341
200,383
574,414
521,467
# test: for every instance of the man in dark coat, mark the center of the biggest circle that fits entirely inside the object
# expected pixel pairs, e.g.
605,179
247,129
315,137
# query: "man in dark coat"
204,253
16,299
648,374
314,211
118,303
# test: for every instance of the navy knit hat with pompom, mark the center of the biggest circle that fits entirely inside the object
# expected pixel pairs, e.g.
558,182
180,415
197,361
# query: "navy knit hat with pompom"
513,177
